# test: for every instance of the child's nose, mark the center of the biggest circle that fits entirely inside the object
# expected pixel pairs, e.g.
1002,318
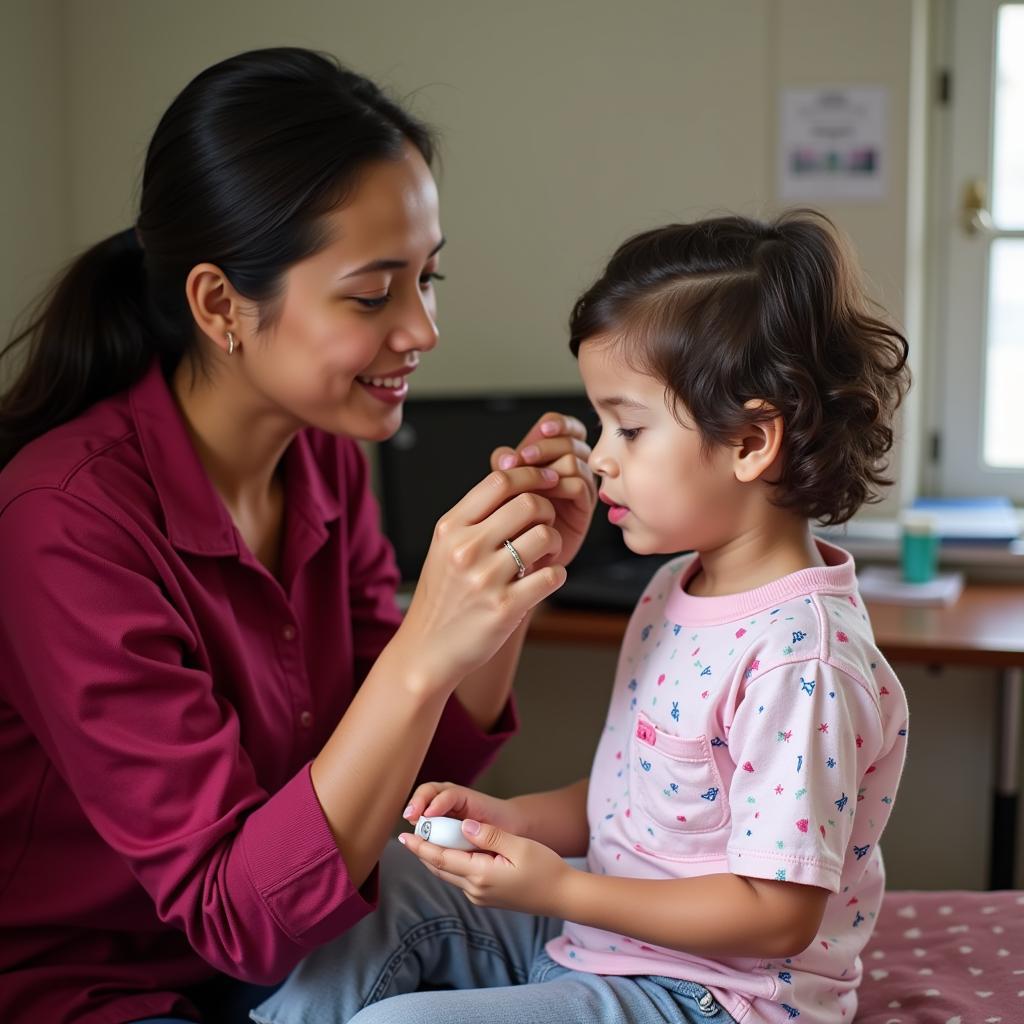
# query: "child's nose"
600,463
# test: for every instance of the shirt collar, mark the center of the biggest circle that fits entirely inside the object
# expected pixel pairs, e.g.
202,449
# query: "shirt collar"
196,518
309,491
836,576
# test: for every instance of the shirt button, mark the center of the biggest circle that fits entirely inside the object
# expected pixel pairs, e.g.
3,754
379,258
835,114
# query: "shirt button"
288,632
306,718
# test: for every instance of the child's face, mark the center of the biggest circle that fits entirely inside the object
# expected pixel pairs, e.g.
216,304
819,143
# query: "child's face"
665,493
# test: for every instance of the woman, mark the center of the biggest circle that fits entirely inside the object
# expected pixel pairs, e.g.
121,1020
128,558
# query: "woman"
211,714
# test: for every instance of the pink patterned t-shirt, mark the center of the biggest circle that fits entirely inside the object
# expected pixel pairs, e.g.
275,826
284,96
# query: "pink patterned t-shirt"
761,734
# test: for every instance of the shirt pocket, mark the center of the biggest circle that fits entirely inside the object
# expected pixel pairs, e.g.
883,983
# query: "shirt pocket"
676,784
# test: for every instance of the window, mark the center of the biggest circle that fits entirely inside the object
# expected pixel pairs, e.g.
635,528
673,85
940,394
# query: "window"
981,221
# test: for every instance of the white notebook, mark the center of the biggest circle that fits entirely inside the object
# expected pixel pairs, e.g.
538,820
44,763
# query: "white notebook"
887,586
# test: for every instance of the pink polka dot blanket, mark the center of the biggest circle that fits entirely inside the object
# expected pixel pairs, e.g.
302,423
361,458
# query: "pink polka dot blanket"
945,958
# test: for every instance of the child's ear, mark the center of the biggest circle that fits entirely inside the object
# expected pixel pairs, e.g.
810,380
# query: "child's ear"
757,448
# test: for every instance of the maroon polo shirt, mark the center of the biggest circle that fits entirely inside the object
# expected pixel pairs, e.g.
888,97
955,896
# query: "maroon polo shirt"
161,698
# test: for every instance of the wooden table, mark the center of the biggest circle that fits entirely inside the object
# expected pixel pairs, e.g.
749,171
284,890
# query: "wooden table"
985,628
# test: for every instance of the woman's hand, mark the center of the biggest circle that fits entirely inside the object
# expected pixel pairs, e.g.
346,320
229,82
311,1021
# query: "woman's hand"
445,799
470,598
559,442
508,871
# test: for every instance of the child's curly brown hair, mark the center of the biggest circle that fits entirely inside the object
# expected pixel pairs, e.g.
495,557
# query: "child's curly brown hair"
730,311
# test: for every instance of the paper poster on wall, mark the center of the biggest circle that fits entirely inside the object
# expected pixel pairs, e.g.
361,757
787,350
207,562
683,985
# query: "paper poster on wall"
832,143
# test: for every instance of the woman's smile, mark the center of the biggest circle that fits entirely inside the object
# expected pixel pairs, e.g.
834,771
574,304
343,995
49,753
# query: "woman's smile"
391,388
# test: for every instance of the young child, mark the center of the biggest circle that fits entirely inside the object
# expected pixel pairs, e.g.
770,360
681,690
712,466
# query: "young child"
755,737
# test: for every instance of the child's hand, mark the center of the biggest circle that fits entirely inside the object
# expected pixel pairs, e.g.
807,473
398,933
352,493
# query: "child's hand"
559,442
445,800
511,872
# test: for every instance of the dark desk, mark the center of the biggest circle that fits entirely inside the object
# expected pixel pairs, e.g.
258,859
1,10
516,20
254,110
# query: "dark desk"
985,628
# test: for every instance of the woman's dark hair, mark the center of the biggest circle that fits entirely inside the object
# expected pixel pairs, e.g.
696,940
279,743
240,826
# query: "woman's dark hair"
239,173
730,310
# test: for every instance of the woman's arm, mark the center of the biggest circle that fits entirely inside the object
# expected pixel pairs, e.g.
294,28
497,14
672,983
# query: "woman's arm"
151,744
363,774
558,442
485,692
149,747
466,605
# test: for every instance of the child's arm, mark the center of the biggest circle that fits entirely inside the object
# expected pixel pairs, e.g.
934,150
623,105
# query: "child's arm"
557,818
711,915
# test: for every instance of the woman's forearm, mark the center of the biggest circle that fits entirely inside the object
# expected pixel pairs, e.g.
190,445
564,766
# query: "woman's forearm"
710,915
485,692
364,773
557,818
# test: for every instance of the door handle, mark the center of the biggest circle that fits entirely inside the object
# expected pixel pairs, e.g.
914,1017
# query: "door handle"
975,218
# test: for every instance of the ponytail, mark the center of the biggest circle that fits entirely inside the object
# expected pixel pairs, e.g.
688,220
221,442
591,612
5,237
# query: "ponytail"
91,338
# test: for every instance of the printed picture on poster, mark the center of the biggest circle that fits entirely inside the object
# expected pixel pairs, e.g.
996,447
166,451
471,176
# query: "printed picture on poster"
832,143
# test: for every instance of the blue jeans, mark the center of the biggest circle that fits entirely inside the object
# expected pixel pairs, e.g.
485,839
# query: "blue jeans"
428,954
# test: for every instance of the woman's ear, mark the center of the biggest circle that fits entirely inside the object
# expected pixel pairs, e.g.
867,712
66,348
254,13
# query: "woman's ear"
755,451
215,305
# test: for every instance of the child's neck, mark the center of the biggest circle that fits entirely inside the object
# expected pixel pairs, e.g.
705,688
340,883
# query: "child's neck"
756,557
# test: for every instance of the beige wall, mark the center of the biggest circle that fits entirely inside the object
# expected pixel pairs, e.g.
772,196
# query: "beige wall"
566,124
35,177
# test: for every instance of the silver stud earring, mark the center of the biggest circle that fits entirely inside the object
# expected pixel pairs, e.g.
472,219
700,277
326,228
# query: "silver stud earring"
231,343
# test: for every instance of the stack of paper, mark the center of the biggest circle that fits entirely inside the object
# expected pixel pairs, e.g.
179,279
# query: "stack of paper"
992,520
887,586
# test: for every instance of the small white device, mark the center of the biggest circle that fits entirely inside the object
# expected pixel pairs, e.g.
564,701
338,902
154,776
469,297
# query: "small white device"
443,832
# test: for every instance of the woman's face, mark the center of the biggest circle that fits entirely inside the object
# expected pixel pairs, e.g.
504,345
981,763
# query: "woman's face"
353,318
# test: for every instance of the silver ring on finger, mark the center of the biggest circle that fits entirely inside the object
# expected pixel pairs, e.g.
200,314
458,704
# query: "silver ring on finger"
520,564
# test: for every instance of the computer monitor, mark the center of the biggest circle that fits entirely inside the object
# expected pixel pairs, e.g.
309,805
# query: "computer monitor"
443,449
